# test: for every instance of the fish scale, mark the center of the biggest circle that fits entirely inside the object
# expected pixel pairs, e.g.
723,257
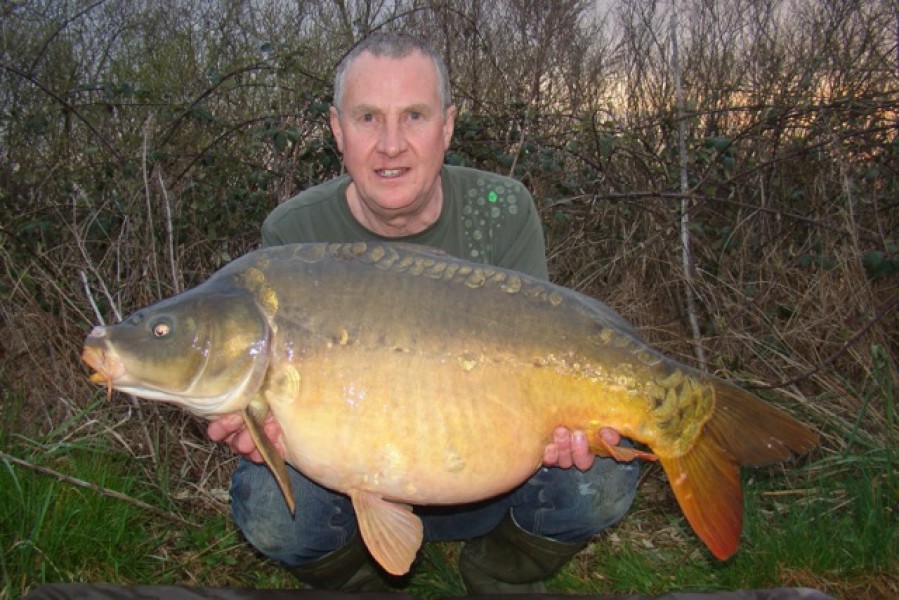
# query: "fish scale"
401,376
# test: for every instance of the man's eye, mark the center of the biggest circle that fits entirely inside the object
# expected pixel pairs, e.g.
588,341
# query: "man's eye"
367,118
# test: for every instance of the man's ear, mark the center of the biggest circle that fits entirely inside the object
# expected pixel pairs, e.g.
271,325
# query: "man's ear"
336,129
449,125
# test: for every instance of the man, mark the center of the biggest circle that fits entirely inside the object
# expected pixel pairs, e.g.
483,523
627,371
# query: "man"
392,120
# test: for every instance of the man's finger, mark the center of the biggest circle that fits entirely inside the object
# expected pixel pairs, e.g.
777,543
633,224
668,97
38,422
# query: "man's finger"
551,455
219,429
612,437
562,439
581,455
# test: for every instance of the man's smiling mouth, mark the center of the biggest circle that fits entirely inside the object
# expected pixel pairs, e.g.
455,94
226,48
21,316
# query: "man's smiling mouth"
390,172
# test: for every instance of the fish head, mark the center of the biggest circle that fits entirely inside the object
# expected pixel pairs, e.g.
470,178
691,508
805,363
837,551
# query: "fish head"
206,351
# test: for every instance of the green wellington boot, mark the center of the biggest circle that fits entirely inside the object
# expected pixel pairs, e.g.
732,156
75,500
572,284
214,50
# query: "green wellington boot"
347,569
509,560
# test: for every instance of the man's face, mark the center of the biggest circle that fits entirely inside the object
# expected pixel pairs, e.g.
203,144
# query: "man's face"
393,132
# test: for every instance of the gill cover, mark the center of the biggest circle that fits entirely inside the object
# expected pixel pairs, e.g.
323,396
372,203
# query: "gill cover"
206,349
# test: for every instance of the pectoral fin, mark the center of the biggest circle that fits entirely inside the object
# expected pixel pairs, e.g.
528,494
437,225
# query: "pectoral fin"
391,531
254,416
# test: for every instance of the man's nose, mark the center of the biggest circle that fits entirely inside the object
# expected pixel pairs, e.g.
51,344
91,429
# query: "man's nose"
392,140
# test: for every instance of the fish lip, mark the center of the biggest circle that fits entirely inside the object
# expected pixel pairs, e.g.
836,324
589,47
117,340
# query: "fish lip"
107,367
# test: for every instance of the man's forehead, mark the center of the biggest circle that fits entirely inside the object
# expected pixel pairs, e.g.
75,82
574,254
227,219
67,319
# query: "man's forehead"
387,72
367,61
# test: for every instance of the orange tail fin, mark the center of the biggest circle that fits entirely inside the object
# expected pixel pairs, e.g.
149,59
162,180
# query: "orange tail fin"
706,483
742,430
755,432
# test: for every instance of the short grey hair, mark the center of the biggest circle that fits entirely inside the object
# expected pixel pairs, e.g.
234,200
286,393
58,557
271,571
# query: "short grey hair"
393,45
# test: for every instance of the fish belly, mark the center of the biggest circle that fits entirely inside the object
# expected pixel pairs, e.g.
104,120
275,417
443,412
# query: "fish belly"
419,429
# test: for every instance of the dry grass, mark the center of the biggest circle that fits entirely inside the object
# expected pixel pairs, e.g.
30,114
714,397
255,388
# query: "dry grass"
872,586
801,331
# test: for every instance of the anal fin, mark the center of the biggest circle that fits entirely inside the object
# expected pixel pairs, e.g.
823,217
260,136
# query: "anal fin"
600,447
391,531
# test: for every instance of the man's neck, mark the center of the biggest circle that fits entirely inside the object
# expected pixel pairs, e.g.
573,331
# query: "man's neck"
400,224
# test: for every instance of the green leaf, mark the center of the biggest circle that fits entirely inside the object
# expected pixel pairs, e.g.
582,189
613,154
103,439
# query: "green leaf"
280,141
878,264
718,143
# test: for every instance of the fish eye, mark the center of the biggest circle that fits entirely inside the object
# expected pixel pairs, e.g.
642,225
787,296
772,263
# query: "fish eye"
161,328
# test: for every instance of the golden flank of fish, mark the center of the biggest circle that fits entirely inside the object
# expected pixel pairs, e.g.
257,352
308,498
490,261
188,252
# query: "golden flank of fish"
401,376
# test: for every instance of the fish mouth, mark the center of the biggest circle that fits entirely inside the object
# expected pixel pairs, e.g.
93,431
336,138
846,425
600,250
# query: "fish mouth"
107,368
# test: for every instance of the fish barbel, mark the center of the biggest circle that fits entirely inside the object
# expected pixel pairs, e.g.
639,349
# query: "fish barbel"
401,376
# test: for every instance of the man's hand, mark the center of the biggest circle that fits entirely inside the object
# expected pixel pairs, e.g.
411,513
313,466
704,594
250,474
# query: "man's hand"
232,430
571,449
568,449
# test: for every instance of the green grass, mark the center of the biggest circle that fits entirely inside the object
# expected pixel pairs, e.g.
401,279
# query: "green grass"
838,532
54,531
827,522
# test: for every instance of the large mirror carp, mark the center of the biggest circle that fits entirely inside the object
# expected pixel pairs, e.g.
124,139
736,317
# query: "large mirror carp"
401,376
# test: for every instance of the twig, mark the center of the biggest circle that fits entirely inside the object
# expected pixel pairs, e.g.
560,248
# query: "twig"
796,492
151,228
520,147
169,232
98,489
669,195
686,256
90,265
90,297
69,108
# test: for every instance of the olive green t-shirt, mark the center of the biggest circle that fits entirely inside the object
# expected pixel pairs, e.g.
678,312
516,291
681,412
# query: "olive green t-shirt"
486,218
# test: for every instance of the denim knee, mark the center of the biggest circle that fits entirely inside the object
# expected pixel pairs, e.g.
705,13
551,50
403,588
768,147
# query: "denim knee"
324,521
569,505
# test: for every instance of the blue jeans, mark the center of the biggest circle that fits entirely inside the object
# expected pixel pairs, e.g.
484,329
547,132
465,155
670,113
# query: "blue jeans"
566,505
